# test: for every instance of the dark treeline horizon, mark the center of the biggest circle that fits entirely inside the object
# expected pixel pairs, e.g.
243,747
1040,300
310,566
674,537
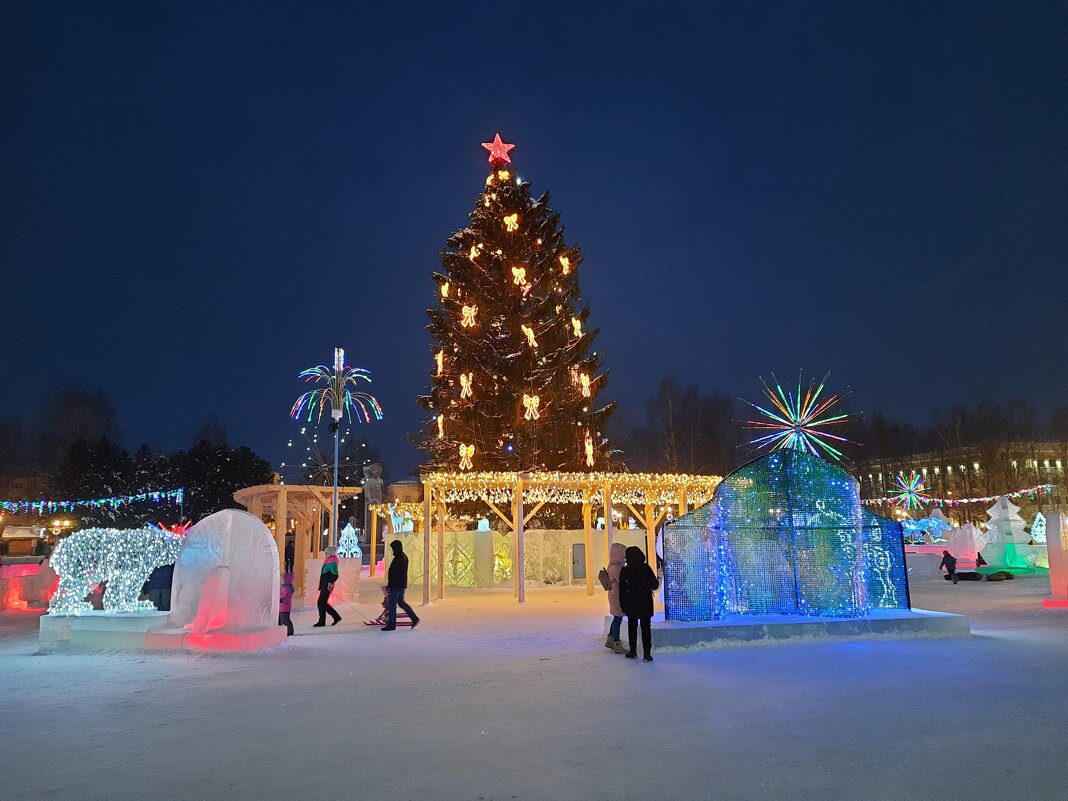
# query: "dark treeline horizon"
681,428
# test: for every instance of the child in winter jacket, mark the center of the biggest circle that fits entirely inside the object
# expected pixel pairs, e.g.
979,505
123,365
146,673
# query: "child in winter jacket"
285,603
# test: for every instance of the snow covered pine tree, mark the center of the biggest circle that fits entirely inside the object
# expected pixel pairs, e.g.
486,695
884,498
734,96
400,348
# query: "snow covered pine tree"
514,381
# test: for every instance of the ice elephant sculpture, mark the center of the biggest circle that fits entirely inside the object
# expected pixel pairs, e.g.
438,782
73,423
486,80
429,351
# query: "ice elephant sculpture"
124,558
226,576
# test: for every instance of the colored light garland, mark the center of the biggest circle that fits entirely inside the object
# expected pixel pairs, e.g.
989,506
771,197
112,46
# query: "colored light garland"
910,494
337,394
42,507
798,422
1030,492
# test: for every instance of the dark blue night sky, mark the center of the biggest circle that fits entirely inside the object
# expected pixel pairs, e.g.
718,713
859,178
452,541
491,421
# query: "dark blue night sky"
198,200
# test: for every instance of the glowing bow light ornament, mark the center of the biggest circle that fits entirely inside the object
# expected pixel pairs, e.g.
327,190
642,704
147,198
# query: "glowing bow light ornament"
529,332
511,223
565,265
910,492
338,393
466,454
531,403
584,382
467,380
576,326
798,422
519,275
468,316
589,449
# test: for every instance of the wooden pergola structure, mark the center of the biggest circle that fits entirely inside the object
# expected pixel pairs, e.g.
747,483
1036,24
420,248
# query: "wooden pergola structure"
300,503
516,497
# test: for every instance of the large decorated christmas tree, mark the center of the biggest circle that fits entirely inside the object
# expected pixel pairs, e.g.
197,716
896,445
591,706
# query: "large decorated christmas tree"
514,378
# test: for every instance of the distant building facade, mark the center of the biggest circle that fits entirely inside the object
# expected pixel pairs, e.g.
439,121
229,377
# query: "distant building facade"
991,468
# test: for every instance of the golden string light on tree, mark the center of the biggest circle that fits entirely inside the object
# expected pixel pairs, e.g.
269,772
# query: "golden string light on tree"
531,403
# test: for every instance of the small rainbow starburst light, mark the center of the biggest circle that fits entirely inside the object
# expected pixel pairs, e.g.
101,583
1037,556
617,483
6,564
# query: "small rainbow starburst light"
798,421
909,493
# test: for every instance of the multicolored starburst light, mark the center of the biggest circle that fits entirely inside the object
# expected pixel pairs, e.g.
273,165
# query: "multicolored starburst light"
798,421
338,394
910,493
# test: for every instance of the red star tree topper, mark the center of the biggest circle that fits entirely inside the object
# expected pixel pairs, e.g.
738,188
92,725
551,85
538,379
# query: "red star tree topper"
498,150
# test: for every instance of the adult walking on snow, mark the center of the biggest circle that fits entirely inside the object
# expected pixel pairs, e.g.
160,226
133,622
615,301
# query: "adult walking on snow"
949,562
327,579
637,583
615,564
396,584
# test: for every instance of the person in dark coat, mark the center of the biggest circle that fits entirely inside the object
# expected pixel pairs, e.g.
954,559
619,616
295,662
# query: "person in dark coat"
396,584
327,578
290,552
637,583
949,562
158,587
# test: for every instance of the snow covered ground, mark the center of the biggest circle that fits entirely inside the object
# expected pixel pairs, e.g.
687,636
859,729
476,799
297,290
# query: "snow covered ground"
486,700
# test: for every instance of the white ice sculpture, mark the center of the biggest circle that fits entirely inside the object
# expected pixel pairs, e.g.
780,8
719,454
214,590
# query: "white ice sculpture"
226,576
966,542
124,558
348,547
1007,541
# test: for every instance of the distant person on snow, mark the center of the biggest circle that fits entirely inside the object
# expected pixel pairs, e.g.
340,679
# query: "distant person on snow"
285,603
949,562
327,579
637,583
290,552
396,584
615,564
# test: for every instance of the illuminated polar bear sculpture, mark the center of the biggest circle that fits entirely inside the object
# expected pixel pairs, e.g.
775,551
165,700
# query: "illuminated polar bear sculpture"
124,558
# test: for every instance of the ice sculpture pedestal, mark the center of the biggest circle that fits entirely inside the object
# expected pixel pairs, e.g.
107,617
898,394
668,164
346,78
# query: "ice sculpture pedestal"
748,629
99,630
143,631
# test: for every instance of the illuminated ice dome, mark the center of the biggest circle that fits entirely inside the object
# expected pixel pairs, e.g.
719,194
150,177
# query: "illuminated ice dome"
784,534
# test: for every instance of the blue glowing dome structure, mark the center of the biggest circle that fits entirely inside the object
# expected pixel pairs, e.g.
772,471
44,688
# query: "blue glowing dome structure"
784,534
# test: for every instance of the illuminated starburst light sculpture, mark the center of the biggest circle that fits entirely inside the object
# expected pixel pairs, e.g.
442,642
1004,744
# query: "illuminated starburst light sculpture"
342,400
909,493
798,421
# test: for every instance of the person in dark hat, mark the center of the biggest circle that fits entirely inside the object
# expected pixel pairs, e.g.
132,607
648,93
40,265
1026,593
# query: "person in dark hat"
396,584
